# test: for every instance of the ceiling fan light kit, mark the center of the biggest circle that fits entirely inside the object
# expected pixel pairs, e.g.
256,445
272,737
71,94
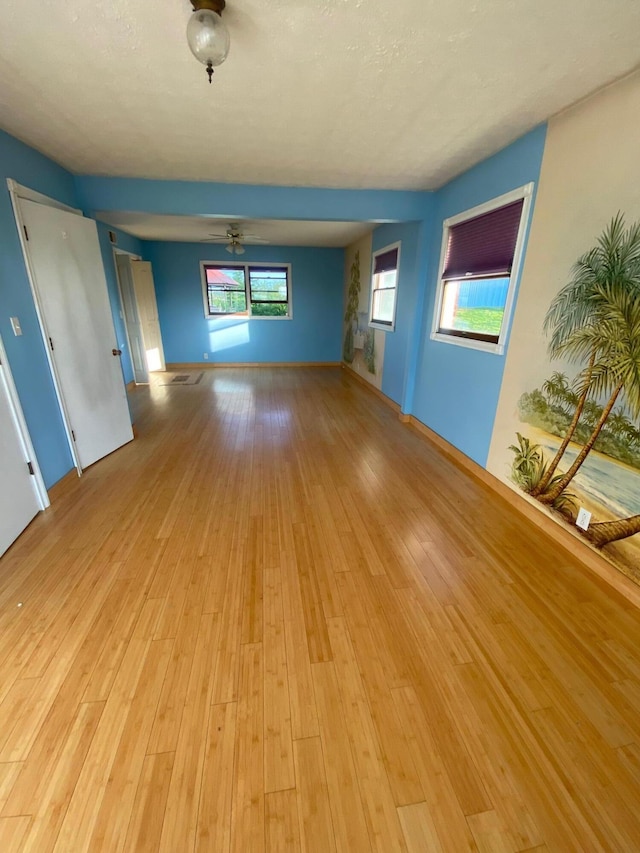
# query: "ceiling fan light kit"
235,248
207,34
234,238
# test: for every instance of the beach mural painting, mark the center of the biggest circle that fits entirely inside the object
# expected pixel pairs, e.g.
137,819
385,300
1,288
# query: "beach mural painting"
579,442
363,347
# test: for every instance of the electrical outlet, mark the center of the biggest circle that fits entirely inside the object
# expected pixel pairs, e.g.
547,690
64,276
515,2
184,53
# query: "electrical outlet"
205,355
584,518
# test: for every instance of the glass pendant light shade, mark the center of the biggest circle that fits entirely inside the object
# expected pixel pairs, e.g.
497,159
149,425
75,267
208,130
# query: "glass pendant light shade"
235,248
208,37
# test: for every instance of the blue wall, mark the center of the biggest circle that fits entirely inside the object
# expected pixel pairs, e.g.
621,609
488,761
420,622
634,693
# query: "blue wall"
455,390
134,246
314,333
396,345
27,356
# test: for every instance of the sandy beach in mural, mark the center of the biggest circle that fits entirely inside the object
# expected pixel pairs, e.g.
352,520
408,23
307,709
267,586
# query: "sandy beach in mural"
593,490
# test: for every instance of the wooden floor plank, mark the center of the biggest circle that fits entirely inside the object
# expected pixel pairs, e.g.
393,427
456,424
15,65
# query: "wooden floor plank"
349,821
312,606
419,830
60,786
180,824
442,803
148,810
247,820
316,828
375,791
490,834
78,825
13,831
304,716
9,774
282,824
216,791
278,746
112,822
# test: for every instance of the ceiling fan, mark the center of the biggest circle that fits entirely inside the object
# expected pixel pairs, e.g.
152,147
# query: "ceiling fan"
234,238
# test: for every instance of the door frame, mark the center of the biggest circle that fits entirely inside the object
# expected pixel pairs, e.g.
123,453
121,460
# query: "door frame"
7,383
16,192
134,257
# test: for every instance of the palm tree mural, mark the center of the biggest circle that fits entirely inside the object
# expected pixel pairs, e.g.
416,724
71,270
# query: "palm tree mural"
613,336
618,424
594,321
603,532
351,312
592,413
613,263
559,391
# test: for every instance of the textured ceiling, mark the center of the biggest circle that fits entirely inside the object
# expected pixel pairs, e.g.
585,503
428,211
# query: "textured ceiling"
336,93
277,232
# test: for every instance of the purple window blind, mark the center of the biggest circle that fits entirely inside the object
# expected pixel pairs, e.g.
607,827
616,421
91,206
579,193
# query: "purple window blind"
386,261
484,245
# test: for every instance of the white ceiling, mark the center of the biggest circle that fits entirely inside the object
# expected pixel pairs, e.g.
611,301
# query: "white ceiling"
277,232
399,94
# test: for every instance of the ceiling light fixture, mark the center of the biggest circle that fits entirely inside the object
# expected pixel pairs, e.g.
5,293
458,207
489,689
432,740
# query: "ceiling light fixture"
235,247
207,35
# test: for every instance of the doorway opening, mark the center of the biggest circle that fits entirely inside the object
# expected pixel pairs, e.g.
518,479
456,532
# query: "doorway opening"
140,313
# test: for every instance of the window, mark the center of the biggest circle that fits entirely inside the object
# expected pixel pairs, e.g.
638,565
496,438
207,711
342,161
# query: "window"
269,291
226,289
256,290
384,282
481,253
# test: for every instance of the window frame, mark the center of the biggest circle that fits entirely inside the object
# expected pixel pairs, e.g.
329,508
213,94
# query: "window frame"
525,193
381,324
247,266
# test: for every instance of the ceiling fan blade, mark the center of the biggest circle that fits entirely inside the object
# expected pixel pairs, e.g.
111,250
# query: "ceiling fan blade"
234,235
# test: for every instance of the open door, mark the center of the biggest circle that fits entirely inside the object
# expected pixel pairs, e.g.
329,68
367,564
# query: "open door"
131,318
63,258
148,313
22,493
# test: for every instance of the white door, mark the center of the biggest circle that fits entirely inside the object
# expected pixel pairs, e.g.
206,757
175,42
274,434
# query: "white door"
148,313
131,319
19,500
66,268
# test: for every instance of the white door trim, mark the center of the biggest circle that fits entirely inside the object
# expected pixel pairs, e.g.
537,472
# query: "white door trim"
16,191
6,378
20,191
132,255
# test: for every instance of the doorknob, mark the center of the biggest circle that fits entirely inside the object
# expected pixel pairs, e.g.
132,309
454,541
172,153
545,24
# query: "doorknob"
116,351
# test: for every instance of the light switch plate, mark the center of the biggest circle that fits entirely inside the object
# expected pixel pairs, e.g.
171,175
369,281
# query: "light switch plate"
15,325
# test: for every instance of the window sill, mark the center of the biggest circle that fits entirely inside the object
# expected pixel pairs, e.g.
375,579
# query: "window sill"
382,327
243,316
469,343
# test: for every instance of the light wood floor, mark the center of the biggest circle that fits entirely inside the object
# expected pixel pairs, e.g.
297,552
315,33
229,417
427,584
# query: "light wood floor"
280,620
